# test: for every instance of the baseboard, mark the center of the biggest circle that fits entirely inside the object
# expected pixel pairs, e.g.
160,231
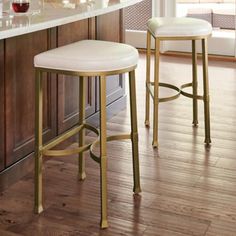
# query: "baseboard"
188,55
16,171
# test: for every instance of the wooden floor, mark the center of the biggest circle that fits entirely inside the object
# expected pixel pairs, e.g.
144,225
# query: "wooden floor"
188,189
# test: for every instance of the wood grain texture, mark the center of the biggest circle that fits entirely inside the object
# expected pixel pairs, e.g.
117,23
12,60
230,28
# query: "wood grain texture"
105,30
188,189
19,94
106,27
68,87
2,126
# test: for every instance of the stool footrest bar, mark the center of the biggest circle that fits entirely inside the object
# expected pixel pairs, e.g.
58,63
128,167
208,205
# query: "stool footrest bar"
63,137
109,138
66,152
189,95
165,85
179,90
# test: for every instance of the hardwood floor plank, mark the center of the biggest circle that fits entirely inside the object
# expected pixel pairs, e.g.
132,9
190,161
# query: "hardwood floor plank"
7,233
221,228
155,231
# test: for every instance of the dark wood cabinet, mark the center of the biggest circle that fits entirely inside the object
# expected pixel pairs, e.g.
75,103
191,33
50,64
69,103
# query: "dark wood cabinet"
61,98
110,27
68,87
19,95
2,141
111,32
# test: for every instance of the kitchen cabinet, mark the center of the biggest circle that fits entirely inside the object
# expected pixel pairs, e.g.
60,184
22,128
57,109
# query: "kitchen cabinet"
61,98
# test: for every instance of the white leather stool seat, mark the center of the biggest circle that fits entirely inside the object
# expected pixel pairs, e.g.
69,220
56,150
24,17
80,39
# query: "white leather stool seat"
89,56
178,27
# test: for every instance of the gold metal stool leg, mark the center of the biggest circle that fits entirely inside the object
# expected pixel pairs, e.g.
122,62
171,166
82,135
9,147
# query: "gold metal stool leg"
38,142
206,97
81,160
134,132
147,121
103,152
194,83
156,93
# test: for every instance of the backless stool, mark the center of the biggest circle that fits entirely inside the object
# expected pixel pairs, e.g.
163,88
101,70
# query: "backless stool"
86,58
164,28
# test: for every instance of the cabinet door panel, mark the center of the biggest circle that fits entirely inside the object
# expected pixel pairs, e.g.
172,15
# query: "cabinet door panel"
110,26
68,87
2,140
20,90
115,88
112,32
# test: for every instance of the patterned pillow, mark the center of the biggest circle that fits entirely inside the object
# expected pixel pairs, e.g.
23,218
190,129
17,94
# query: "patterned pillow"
224,18
200,13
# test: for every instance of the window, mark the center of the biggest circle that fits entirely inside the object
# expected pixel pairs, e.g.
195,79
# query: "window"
220,13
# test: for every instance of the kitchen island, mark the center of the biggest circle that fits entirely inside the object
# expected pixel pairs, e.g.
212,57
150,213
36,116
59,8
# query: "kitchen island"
47,25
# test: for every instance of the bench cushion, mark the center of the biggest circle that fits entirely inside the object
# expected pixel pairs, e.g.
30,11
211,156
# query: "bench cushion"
89,56
178,27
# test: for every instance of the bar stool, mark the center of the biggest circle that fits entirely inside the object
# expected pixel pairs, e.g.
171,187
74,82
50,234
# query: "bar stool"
172,28
86,58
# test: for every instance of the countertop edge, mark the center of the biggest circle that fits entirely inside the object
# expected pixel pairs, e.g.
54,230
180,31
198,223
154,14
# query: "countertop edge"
64,20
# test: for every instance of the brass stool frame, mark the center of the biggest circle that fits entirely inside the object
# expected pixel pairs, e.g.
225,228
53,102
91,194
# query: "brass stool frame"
194,84
44,149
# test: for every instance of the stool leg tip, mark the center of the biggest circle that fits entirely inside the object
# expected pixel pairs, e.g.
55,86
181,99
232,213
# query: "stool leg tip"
137,190
104,224
82,176
155,144
195,123
38,209
147,123
207,141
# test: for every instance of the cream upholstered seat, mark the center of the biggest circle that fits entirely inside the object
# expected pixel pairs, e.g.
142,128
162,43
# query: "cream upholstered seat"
178,27
94,59
89,56
174,28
